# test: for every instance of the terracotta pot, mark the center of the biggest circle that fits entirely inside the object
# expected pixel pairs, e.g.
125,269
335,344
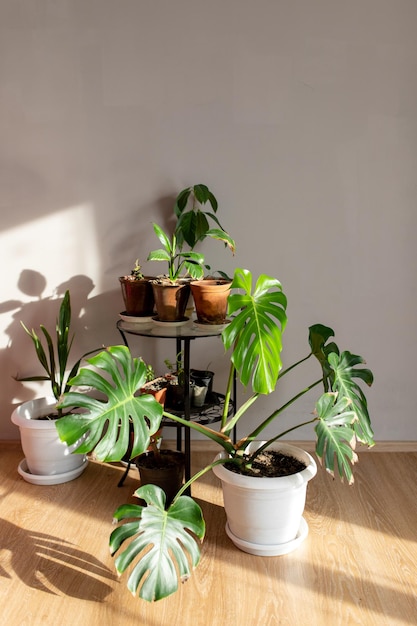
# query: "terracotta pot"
137,295
157,388
165,470
171,300
210,299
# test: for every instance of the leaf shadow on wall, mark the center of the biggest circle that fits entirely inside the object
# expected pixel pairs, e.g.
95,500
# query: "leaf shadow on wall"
89,315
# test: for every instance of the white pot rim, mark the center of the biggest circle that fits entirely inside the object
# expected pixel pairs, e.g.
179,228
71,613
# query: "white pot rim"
24,415
266,483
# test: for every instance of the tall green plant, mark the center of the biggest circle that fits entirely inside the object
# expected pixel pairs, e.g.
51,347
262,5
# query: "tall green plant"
254,339
193,222
54,357
179,262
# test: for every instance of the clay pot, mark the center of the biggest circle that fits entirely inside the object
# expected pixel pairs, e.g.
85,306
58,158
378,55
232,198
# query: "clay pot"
210,299
171,300
137,295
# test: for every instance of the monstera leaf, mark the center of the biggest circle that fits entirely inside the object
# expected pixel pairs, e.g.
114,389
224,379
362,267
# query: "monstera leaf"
345,371
317,337
255,332
164,542
335,434
106,424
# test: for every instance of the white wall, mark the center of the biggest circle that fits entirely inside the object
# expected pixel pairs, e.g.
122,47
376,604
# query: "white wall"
299,114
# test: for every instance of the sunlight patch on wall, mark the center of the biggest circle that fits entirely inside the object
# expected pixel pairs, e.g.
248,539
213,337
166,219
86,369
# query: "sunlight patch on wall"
43,254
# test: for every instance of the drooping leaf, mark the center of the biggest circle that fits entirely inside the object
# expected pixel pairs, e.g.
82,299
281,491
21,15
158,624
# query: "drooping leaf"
164,546
255,332
221,235
201,193
318,335
181,201
335,435
107,422
345,371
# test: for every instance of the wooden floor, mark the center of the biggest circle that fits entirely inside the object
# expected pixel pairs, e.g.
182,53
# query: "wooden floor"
358,564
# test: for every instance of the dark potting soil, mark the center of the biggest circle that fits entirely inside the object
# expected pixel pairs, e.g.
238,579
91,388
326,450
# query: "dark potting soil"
269,463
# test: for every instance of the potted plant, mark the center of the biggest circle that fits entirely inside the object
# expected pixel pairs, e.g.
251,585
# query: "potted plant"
137,293
166,538
172,290
191,228
193,222
202,385
210,295
48,460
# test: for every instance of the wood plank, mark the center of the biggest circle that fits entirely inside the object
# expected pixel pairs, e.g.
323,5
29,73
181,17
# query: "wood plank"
357,566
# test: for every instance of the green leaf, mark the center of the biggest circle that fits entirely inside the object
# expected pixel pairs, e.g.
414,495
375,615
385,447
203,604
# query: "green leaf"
201,193
221,235
335,435
163,238
345,370
107,423
181,201
159,255
192,226
255,332
164,544
318,335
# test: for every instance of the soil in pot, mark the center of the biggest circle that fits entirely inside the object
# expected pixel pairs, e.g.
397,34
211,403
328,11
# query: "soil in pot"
269,463
166,470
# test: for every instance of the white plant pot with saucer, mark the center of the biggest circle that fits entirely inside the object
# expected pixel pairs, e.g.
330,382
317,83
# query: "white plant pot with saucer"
265,515
48,460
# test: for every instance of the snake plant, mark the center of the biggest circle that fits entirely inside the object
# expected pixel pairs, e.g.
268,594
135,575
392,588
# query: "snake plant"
161,544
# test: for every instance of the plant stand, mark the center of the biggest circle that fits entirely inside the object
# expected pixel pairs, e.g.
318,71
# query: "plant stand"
211,411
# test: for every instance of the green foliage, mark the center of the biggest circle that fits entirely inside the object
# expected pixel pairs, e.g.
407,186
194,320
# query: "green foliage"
54,357
179,262
173,535
137,271
107,422
164,541
193,224
255,332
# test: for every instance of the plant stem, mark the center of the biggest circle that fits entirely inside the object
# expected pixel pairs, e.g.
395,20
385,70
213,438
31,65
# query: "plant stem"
291,367
220,438
273,415
198,475
228,395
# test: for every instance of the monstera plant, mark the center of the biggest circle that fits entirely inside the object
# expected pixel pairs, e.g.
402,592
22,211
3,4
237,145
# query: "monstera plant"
160,543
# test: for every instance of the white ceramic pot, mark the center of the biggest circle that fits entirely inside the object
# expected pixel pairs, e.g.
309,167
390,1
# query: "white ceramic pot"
265,515
45,454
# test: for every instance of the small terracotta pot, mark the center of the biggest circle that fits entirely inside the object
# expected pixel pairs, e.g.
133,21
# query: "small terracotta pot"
171,301
137,295
210,299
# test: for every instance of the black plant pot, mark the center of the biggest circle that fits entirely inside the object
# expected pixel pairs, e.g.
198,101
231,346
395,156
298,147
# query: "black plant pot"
202,378
165,470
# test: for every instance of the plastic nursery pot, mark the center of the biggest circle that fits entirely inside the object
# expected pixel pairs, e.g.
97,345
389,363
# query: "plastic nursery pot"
166,470
210,299
202,378
137,295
